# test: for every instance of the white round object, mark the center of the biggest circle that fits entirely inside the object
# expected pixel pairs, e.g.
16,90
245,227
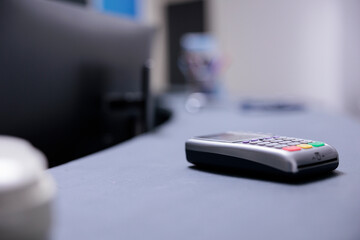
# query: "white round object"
26,191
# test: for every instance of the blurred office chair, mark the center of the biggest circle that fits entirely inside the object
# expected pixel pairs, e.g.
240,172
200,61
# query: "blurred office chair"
72,81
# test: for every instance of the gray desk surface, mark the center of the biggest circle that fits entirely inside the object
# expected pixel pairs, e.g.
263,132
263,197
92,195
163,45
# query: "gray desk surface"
145,188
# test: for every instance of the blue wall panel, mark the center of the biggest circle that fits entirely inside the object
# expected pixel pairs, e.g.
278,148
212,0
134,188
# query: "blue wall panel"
124,7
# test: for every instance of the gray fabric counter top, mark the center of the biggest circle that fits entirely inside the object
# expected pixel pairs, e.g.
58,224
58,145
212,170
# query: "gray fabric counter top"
145,189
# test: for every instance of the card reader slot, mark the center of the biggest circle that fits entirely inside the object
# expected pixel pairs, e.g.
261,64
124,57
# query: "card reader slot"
300,167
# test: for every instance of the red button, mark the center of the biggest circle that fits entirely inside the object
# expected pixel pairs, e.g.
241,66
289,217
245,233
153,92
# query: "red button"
292,148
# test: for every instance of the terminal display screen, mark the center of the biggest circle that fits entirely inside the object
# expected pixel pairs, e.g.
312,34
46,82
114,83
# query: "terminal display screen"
233,137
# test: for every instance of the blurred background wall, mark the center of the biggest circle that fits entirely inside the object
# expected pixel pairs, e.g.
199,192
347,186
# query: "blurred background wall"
351,56
308,49
281,47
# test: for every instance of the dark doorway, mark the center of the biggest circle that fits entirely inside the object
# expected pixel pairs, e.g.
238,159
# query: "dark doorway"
181,18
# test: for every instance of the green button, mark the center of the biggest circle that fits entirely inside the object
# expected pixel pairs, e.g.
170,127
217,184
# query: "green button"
317,144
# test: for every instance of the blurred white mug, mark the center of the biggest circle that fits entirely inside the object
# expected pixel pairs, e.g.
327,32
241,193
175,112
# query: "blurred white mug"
26,191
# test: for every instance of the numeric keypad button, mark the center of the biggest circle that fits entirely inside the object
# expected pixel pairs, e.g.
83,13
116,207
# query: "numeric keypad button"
271,144
261,143
280,146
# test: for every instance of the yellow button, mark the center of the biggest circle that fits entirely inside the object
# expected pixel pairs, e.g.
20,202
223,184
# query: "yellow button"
305,146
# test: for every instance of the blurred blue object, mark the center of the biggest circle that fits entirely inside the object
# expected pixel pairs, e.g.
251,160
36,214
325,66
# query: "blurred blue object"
200,63
198,42
127,8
